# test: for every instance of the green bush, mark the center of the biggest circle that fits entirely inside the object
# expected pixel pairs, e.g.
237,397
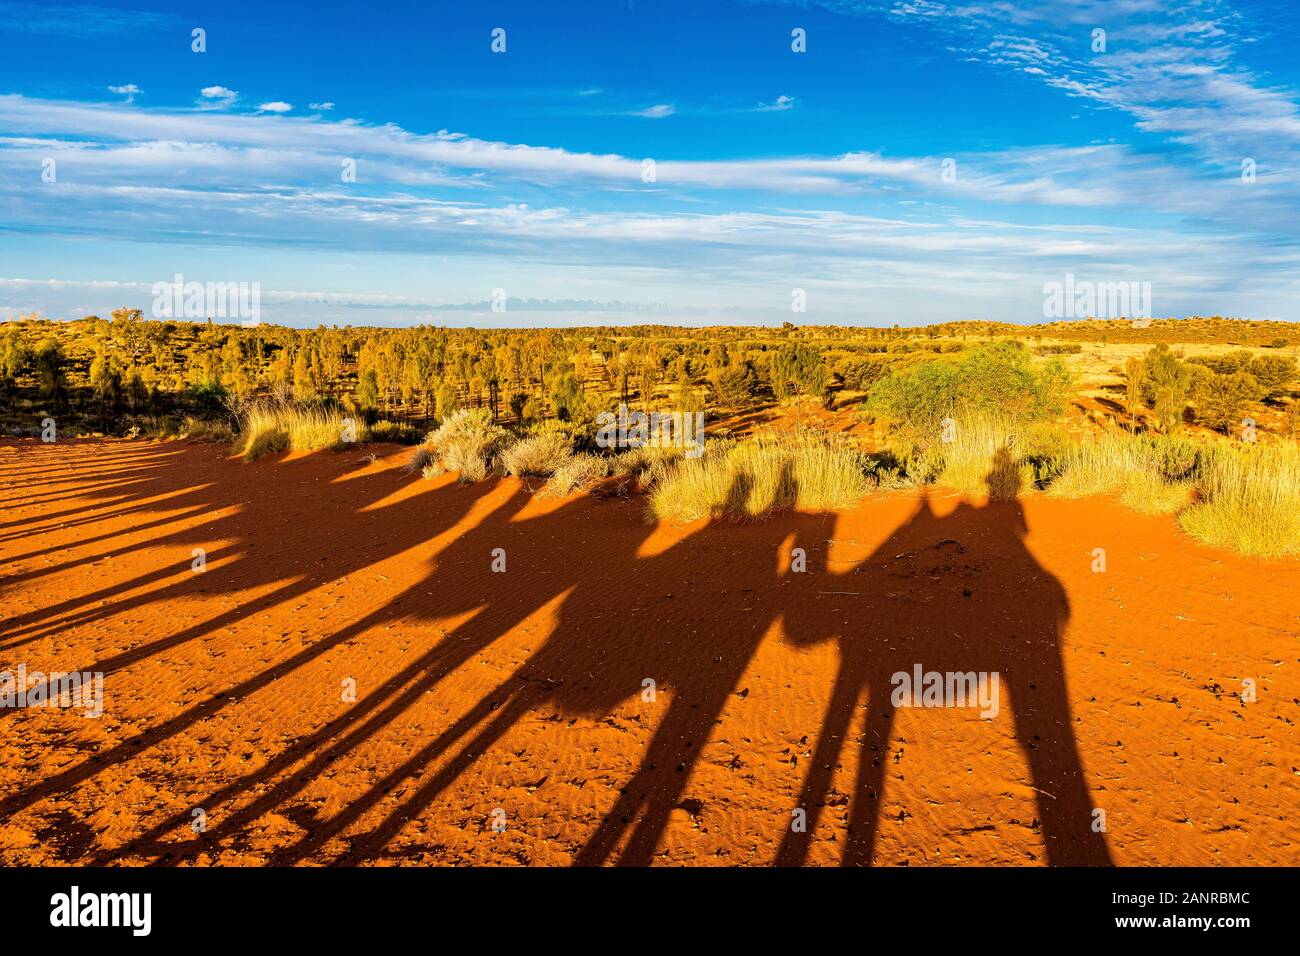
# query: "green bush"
997,379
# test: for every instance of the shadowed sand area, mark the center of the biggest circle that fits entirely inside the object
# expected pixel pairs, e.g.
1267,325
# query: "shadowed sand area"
525,691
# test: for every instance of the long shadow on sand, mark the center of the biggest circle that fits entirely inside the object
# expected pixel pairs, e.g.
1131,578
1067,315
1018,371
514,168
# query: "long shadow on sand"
618,624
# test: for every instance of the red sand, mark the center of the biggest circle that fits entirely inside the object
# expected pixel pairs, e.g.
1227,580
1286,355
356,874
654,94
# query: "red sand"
522,692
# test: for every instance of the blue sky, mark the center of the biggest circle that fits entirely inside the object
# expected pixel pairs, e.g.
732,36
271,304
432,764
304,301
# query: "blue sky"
774,170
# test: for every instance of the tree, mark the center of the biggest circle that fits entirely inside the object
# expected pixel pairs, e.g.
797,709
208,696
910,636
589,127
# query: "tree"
1166,384
799,369
733,386
129,334
50,375
446,399
1134,375
566,396
303,388
685,398
368,392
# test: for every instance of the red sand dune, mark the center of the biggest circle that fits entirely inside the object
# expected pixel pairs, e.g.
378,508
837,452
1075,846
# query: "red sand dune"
523,692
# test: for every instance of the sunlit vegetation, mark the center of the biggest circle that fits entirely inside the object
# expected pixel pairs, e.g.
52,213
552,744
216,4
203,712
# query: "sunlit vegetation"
269,426
1195,418
754,478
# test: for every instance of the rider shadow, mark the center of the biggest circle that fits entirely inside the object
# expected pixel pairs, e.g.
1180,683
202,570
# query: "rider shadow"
953,594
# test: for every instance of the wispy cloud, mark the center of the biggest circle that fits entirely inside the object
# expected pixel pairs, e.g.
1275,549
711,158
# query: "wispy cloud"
779,105
658,111
78,20
275,106
128,90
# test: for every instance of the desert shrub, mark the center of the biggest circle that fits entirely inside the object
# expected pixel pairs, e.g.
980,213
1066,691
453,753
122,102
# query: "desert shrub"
1103,464
1148,493
537,455
1273,373
575,473
986,456
1134,377
1042,448
1247,497
1177,458
466,442
997,379
420,459
1221,399
757,477
863,373
517,402
208,399
1136,469
264,441
979,460
446,400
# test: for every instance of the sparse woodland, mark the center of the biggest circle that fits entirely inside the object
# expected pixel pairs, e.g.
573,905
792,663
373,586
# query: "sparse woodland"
1172,415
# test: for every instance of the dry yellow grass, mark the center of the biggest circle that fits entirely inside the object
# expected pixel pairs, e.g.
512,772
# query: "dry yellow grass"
1250,500
270,427
755,478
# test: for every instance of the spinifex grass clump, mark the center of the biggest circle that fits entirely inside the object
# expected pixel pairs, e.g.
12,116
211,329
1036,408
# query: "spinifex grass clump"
755,478
1249,499
268,427
1246,496
1150,475
984,458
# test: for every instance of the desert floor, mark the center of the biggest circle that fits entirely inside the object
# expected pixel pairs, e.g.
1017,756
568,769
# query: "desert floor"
504,717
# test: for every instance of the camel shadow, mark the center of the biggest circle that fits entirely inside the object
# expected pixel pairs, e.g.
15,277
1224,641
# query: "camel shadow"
604,653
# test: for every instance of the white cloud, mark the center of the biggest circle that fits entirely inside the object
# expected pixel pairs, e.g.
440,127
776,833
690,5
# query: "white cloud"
130,89
217,96
327,105
658,111
229,179
275,106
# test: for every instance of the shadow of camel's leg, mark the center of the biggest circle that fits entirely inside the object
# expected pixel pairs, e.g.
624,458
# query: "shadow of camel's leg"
373,843
869,791
1065,807
658,782
835,725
